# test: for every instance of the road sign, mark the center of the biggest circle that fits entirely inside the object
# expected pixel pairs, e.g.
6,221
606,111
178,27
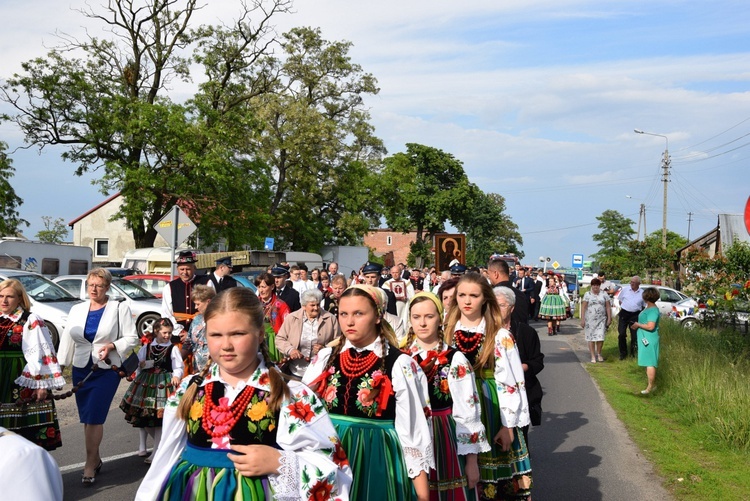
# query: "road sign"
269,243
577,261
555,265
175,218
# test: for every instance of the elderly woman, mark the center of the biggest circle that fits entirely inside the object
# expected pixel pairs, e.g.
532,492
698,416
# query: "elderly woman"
305,332
596,315
28,367
648,337
99,334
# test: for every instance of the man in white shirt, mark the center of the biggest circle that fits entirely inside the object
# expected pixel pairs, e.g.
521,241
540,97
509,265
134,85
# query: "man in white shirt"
631,304
606,286
402,289
297,283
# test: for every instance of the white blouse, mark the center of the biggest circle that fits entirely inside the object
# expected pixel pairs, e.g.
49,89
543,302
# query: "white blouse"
42,370
410,387
470,434
307,445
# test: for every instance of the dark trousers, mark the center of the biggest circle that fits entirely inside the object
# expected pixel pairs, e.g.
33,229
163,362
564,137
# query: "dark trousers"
623,325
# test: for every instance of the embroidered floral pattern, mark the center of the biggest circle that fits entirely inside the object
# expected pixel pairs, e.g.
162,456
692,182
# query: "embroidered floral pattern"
305,407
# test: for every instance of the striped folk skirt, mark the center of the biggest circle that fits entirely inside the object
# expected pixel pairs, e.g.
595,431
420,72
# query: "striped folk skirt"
144,401
552,307
503,474
208,474
448,481
376,459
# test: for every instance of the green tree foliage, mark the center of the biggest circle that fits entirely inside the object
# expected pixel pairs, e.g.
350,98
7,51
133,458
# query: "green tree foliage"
648,257
425,187
54,232
268,145
10,220
616,232
489,229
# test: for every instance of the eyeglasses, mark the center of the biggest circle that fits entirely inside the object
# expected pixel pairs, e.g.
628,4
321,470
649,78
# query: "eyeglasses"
96,286
503,305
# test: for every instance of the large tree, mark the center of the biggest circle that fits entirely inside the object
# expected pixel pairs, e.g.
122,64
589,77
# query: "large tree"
489,229
10,219
616,232
425,188
54,231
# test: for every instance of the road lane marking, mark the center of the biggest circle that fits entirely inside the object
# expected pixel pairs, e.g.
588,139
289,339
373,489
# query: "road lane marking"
63,469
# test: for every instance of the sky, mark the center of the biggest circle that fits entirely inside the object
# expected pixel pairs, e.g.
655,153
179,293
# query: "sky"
538,98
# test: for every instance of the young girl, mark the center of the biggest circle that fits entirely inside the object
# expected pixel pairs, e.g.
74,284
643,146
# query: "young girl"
474,323
457,430
238,430
158,375
195,342
376,401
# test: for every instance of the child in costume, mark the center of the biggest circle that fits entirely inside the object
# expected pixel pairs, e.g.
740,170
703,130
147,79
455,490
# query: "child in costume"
159,372
457,431
376,400
238,430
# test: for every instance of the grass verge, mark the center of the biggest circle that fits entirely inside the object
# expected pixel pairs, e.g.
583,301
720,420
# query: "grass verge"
695,428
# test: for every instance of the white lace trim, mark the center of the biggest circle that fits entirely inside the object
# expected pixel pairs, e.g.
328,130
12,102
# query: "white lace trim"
284,483
417,462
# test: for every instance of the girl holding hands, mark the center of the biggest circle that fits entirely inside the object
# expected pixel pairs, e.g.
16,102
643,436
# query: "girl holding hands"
238,430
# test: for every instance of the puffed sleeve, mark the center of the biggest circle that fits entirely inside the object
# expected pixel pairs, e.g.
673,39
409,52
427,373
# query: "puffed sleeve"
317,364
411,423
173,441
128,338
312,464
42,369
511,390
470,434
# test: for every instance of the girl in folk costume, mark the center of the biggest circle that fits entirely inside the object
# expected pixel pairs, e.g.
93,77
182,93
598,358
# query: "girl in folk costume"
376,400
274,312
238,430
553,300
159,372
458,433
474,325
28,368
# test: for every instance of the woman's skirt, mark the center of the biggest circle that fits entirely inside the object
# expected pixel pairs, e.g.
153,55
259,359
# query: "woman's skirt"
552,307
95,396
503,474
202,474
35,421
448,479
146,397
376,459
273,351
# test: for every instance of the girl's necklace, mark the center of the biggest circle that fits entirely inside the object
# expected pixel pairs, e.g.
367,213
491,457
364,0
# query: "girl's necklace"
218,420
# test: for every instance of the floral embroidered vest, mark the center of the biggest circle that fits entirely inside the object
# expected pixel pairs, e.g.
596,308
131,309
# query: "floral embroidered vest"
437,381
256,426
350,397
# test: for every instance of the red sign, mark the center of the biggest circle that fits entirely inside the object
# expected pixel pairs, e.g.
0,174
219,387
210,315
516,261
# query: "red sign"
747,215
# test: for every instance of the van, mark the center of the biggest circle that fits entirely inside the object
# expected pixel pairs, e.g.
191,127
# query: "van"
48,300
44,258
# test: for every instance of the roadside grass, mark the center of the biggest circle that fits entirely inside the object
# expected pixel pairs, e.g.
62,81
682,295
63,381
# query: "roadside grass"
695,428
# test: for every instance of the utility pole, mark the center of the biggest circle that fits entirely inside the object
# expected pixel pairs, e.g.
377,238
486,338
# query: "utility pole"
665,179
641,216
690,220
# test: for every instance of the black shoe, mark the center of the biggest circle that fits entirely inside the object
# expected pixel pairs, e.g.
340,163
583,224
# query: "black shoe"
622,357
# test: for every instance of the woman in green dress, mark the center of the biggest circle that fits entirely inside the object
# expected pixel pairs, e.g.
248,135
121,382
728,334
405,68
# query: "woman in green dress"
648,337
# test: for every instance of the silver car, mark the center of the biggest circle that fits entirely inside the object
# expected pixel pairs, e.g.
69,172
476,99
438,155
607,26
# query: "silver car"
144,306
670,300
48,300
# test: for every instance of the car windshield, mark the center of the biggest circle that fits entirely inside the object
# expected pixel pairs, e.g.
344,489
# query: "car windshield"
132,290
43,290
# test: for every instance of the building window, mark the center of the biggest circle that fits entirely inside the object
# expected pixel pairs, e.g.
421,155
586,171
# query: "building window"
389,240
50,267
101,248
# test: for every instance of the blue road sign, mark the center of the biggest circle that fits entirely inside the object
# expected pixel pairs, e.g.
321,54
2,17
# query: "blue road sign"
577,261
269,243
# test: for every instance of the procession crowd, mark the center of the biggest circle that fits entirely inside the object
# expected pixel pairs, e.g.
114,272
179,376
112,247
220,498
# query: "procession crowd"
390,384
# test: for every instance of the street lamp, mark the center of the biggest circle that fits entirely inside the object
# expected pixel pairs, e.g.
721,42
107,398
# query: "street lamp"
665,178
544,260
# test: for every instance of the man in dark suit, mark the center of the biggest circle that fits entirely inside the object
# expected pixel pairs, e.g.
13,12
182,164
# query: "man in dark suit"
525,285
536,296
220,278
498,271
284,289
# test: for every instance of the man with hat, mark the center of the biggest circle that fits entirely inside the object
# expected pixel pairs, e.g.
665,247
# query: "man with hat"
176,302
220,278
284,289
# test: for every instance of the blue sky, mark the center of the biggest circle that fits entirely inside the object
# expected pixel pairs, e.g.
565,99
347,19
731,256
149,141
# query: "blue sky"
539,99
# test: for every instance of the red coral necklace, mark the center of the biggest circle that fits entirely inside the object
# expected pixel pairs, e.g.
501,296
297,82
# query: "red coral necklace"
355,367
468,342
218,420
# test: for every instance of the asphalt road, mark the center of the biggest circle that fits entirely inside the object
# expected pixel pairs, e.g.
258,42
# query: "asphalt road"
580,452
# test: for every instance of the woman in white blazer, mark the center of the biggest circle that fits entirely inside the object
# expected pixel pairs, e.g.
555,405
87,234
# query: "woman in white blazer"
101,332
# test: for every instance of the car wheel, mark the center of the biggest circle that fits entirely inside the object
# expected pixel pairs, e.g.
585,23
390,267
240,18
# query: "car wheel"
53,334
689,323
146,322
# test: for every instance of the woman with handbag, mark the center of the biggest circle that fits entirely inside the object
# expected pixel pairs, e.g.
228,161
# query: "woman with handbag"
28,370
99,334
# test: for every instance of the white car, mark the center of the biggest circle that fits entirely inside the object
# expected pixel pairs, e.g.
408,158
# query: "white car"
48,300
144,306
671,302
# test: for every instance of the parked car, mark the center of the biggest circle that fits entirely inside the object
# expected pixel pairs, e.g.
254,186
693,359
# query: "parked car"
48,300
153,283
670,301
144,306
245,281
122,272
